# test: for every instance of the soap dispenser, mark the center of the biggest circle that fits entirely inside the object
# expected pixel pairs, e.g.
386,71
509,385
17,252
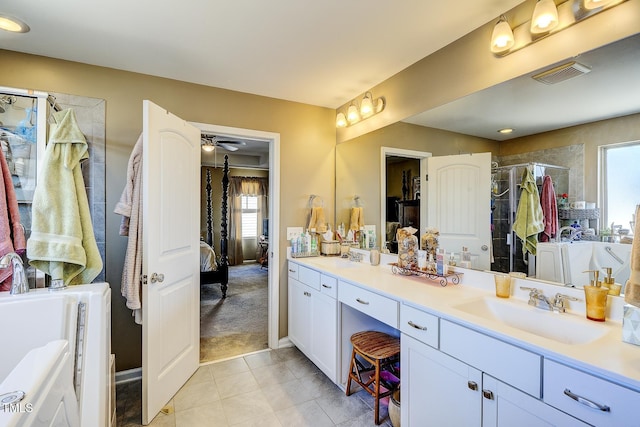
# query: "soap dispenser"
595,296
610,282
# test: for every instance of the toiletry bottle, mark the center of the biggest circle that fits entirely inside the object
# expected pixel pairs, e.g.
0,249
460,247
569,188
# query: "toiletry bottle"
610,282
452,260
465,258
440,252
431,265
362,238
313,247
595,297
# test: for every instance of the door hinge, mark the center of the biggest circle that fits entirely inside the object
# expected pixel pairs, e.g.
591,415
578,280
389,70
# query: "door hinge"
426,177
143,279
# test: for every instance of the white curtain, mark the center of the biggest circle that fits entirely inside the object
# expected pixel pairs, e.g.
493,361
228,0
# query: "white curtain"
244,186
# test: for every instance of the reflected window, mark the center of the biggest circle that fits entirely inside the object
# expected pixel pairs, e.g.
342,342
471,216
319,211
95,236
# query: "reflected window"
620,183
249,217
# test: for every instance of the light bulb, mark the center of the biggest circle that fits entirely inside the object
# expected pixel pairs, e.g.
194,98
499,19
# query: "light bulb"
545,17
341,120
352,114
502,37
366,107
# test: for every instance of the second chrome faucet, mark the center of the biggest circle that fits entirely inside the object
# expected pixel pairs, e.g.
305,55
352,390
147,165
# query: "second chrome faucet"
537,299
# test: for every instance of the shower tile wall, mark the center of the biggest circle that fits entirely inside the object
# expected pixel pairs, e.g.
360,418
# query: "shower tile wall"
90,113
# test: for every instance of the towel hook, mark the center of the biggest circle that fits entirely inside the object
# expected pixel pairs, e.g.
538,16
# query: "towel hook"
312,199
356,201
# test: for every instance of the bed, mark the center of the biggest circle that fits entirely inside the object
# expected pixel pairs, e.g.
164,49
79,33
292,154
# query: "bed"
216,268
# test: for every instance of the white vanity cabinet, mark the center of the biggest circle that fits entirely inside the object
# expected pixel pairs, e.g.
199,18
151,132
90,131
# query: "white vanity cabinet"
313,316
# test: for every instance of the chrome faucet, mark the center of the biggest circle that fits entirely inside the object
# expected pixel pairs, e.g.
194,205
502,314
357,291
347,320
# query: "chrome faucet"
537,299
573,234
355,256
19,284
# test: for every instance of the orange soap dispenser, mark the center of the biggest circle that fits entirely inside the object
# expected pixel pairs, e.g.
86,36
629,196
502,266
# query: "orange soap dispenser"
610,282
595,296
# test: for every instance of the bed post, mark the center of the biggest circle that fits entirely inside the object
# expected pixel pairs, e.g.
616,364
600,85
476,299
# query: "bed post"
209,223
224,258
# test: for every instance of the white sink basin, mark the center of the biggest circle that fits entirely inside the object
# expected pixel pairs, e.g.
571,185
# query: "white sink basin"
567,328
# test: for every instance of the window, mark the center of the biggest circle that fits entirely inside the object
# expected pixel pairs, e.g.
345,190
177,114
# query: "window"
249,217
620,183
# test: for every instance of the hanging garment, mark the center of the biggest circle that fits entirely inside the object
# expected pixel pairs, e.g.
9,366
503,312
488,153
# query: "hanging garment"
529,220
549,210
62,243
317,219
357,218
11,231
130,207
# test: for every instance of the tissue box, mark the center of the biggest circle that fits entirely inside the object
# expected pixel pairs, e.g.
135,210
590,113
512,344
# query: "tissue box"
631,324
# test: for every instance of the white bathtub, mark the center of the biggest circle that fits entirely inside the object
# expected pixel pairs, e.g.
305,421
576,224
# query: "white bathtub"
566,262
60,366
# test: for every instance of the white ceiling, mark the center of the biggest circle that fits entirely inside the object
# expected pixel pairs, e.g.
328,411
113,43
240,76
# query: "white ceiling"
322,53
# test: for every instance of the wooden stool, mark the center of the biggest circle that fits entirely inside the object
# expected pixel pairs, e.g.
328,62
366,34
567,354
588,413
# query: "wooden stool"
382,351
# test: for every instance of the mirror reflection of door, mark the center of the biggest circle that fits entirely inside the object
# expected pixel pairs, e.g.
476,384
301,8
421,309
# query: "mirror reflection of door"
403,204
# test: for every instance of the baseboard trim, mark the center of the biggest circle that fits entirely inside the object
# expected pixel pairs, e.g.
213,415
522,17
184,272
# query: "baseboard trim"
285,342
129,375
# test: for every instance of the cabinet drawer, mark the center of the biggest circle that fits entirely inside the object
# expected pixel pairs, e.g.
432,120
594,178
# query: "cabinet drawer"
293,270
560,382
377,306
419,325
329,285
309,277
508,363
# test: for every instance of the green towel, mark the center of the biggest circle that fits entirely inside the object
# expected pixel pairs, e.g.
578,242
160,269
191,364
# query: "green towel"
529,217
62,243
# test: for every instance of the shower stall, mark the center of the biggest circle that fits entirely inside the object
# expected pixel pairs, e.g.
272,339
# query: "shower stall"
505,195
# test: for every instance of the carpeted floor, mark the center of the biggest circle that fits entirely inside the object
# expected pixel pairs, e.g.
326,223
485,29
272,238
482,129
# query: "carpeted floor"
238,324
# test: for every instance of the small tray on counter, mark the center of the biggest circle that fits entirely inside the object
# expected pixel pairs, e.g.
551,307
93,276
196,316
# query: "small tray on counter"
442,279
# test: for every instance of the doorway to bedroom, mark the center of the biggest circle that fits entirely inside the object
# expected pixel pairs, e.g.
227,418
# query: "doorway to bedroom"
244,320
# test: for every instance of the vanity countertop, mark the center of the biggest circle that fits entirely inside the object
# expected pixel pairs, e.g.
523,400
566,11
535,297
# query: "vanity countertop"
608,356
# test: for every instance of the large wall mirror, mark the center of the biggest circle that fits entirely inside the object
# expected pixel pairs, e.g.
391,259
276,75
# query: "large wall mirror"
560,123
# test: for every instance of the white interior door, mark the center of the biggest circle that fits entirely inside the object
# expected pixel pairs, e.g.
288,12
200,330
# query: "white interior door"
460,204
171,294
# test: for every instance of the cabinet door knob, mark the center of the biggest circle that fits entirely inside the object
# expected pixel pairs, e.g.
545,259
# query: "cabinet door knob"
488,394
472,385
587,402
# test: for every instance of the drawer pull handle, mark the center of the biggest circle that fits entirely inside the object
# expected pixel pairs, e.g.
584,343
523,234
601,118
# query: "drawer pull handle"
362,302
488,394
326,286
413,325
587,402
307,293
472,385
291,271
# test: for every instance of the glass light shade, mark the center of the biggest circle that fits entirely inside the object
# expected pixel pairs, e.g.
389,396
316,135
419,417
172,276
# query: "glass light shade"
208,147
366,106
594,4
545,17
352,114
14,25
502,37
341,120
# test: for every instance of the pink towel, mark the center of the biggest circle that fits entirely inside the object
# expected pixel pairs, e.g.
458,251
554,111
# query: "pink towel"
549,210
11,231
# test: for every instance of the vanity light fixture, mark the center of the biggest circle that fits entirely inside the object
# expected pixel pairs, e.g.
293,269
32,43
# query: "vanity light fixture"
12,24
502,37
369,106
545,17
548,18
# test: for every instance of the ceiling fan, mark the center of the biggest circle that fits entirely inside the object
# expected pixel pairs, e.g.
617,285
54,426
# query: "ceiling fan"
210,142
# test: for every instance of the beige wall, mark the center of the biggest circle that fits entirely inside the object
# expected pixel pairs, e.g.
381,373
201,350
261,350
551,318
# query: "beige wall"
307,138
592,135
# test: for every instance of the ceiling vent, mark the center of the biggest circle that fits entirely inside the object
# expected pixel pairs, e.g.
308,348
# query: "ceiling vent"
561,73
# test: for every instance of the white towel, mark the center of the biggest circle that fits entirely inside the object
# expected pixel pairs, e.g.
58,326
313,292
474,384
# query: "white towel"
130,207
632,289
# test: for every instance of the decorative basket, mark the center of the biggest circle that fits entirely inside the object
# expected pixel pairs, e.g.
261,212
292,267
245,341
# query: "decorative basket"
330,247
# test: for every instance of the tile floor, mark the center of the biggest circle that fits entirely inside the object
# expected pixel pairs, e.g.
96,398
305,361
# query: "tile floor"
271,388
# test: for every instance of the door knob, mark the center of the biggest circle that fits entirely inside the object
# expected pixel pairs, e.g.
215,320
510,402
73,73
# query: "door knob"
157,277
484,247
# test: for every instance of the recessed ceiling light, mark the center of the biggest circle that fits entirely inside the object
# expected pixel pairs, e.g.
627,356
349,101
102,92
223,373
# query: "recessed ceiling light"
505,131
14,25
